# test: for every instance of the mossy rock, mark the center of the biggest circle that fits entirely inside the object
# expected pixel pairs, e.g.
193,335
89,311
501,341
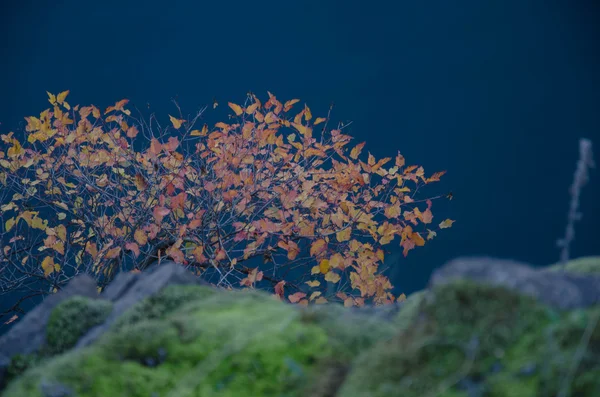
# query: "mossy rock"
583,265
196,341
472,339
71,319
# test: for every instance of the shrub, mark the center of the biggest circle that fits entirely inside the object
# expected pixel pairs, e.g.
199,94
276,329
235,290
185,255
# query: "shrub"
79,198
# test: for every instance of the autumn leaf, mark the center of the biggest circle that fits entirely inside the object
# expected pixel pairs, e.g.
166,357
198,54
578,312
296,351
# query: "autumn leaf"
446,224
307,113
9,224
252,108
317,247
357,149
344,235
288,104
279,288
133,247
176,122
313,284
236,108
160,212
296,297
324,266
132,132
140,182
140,237
315,295
49,266
51,98
202,132
12,319
332,277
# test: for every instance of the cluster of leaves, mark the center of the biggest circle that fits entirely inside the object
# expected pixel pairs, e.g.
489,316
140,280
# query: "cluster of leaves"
245,190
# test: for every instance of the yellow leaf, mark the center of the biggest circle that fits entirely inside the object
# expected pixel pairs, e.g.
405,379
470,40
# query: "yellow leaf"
314,295
203,132
307,113
332,277
59,247
61,205
430,234
140,237
446,224
48,265
236,108
344,235
336,261
319,120
61,232
314,283
60,98
176,122
324,266
51,98
315,270
9,224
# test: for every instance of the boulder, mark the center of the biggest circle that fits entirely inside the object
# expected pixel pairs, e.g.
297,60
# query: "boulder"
564,290
463,336
129,288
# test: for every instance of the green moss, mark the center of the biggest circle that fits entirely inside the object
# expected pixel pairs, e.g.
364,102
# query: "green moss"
583,265
71,319
460,337
461,332
238,343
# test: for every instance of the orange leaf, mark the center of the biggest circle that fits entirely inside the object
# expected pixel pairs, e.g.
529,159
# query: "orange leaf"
140,182
357,149
236,108
132,132
317,247
133,247
176,122
160,212
296,297
288,104
279,288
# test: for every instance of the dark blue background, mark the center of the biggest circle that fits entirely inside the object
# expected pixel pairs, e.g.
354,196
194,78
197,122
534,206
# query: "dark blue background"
496,92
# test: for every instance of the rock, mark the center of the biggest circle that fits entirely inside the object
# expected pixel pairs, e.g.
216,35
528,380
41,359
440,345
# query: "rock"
29,334
564,290
473,339
71,320
130,288
173,336
584,265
